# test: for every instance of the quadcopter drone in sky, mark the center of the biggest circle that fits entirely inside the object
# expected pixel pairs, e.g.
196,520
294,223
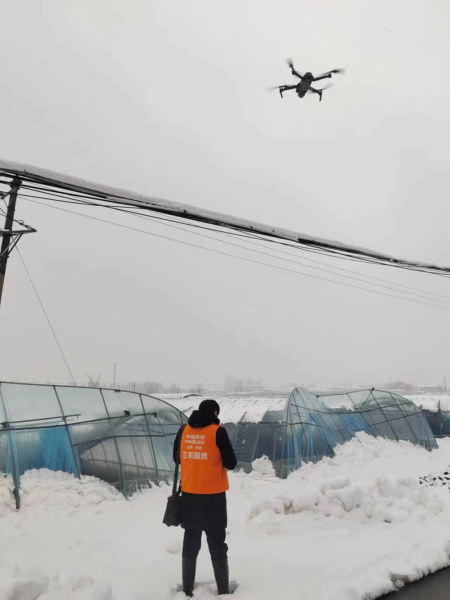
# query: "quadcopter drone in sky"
306,80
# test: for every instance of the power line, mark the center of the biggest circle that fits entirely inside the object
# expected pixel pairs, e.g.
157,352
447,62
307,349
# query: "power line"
46,316
163,221
337,268
302,263
109,195
356,272
240,257
236,231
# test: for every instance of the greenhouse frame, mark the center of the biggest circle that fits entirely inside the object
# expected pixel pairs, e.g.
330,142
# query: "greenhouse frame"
439,421
308,426
124,438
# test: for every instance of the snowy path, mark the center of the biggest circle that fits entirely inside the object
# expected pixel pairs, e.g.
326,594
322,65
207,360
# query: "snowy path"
344,529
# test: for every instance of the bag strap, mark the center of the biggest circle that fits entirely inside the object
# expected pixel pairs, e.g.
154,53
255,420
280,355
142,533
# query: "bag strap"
177,463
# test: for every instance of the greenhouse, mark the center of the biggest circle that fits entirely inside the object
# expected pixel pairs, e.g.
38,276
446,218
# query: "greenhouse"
438,419
306,427
124,438
382,414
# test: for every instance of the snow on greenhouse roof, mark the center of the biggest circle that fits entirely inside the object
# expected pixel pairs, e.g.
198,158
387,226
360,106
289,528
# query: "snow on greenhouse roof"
233,410
43,179
432,403
252,409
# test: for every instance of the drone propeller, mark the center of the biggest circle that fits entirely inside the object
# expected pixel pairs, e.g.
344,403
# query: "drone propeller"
320,90
291,65
275,87
341,71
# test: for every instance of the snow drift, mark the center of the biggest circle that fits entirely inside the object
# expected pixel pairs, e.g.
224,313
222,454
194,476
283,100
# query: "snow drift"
348,528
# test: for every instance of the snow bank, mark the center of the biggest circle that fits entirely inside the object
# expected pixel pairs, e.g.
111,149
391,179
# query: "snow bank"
348,528
42,528
262,468
7,502
56,490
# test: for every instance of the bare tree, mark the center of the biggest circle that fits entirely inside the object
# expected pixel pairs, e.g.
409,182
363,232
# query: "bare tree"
152,387
93,382
234,383
197,389
174,389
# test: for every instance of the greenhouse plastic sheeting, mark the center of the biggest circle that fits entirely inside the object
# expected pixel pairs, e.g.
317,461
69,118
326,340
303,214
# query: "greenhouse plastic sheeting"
124,438
310,426
439,421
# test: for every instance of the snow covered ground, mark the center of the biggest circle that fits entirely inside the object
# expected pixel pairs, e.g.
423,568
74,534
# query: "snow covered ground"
348,528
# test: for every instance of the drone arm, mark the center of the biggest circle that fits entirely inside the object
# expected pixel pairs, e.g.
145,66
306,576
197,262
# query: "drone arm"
285,88
311,89
326,76
296,73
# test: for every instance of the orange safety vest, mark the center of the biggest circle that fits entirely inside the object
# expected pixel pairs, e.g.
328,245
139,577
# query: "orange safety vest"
202,470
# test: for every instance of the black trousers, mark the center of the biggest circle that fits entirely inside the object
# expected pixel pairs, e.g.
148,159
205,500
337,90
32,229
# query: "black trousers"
208,513
216,542
203,511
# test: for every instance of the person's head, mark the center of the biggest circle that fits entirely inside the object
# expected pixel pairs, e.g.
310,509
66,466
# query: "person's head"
211,406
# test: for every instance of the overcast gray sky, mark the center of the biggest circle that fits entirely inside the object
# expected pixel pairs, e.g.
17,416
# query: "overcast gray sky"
169,98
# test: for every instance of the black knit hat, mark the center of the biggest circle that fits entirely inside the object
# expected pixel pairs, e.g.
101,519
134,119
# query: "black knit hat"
210,405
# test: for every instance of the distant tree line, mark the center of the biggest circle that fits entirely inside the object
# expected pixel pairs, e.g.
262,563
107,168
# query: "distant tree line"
146,387
234,383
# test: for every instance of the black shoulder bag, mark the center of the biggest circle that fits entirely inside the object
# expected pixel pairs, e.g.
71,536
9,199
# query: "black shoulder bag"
172,516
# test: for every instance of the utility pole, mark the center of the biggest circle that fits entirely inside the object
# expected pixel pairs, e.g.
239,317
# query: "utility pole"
8,241
114,374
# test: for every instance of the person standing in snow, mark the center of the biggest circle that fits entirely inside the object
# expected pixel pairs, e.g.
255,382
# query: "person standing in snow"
205,455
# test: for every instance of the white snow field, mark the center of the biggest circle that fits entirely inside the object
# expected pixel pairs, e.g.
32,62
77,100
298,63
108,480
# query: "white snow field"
348,528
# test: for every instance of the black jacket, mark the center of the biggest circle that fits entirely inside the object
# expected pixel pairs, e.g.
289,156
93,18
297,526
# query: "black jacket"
203,418
207,511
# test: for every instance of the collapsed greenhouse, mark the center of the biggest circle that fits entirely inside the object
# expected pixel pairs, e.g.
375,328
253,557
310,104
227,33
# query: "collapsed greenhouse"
306,427
438,417
126,438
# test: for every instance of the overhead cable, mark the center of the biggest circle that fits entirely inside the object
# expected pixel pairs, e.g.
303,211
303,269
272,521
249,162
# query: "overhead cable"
240,257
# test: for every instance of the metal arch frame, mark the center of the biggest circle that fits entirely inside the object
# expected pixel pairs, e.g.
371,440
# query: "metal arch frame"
15,476
119,458
64,417
9,431
150,441
259,431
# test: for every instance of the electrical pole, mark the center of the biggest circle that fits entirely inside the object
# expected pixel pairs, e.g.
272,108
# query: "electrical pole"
8,238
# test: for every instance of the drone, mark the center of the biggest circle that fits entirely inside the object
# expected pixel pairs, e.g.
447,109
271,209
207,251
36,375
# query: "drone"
304,86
